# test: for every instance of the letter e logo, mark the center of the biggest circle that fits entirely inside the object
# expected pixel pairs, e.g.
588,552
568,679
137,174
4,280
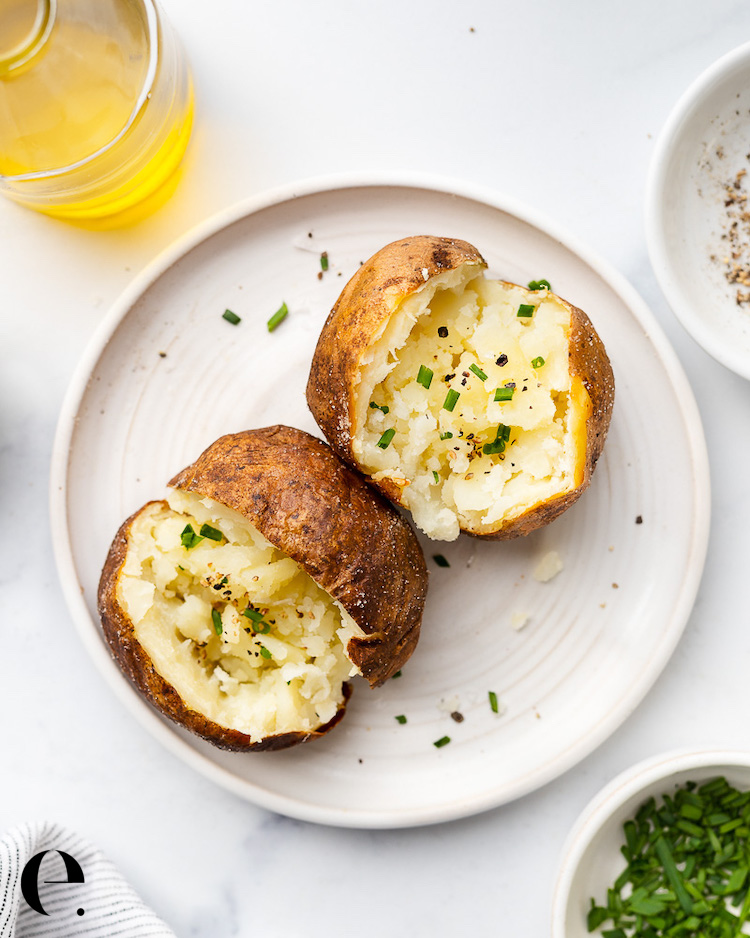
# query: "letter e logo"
30,878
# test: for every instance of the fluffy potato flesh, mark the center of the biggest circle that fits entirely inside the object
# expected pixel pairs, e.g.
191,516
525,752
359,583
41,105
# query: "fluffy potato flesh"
244,635
473,378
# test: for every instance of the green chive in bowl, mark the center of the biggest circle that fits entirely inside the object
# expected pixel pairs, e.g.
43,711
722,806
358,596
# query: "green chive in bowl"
697,784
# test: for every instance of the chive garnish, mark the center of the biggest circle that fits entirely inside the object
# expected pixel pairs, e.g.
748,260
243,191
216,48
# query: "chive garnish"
450,399
478,372
504,394
189,538
384,407
324,260
435,476
278,316
265,653
494,448
525,311
673,874
688,866
397,674
424,377
213,534
386,438
231,317
440,560
539,285
443,741
259,624
446,436
401,719
537,362
216,619
498,444
493,701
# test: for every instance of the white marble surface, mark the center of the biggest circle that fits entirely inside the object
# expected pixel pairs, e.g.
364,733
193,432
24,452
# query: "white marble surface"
556,104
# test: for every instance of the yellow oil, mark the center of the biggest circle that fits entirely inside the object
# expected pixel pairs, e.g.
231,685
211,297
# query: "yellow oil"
74,141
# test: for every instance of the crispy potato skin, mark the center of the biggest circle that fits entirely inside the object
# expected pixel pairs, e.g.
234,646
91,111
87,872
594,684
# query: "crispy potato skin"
306,502
139,669
355,545
368,301
366,304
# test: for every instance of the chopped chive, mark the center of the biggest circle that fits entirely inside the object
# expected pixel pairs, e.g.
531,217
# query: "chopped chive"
493,701
539,285
673,874
231,317
189,538
213,534
498,444
425,376
597,916
446,436
537,362
216,619
440,560
259,624
386,438
504,394
680,878
478,372
435,476
450,399
494,448
384,407
278,316
401,719
443,741
324,260
397,674
525,311
265,653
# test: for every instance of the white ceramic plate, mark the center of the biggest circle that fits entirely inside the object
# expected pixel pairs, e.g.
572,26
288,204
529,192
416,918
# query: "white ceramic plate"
591,859
703,146
166,375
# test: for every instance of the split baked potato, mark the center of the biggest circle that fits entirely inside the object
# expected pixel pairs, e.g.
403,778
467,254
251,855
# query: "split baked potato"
479,405
243,603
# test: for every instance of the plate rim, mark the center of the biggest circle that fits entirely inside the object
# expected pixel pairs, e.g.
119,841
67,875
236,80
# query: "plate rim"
682,111
63,552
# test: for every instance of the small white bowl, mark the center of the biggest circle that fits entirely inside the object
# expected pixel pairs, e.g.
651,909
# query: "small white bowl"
591,859
702,147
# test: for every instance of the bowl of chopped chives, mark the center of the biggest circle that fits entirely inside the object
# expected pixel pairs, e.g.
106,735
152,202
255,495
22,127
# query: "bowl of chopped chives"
664,849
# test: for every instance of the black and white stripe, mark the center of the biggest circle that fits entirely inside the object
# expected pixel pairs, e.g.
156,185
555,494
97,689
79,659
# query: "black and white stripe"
111,907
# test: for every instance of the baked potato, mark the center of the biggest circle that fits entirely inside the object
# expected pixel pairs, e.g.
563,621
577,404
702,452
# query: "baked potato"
243,603
479,405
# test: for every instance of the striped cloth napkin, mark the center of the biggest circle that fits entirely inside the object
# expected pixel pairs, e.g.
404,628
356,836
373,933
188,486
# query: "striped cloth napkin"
72,891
